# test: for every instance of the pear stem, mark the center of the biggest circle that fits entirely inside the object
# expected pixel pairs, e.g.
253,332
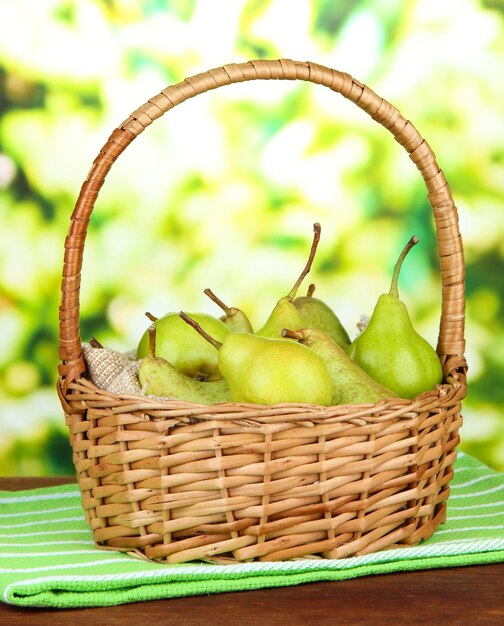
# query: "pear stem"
316,239
218,302
189,320
95,343
152,341
292,334
393,287
311,289
152,318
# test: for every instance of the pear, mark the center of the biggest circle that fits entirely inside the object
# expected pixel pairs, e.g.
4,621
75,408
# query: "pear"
391,351
159,378
285,314
186,351
351,384
261,370
235,319
317,314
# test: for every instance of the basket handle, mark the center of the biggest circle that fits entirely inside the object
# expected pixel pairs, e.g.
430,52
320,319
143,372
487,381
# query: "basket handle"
451,343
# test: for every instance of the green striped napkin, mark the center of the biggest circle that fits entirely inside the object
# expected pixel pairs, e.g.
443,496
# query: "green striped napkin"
48,558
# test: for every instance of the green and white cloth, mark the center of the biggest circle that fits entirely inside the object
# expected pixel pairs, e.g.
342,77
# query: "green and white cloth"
48,558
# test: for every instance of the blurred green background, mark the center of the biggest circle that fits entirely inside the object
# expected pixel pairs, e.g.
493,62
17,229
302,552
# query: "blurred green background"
222,192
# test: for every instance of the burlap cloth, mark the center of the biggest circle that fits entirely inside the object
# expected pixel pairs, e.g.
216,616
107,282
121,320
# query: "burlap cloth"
112,371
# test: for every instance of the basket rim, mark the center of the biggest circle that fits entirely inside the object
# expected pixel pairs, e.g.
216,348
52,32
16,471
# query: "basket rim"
392,408
451,341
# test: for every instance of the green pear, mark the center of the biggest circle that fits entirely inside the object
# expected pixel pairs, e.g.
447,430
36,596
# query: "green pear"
186,351
261,370
317,314
159,378
235,319
285,314
351,384
391,351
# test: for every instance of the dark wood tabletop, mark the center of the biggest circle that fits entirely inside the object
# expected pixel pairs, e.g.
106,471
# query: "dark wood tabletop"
459,595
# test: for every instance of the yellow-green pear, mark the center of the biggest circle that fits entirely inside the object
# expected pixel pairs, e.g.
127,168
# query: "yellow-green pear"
285,314
317,314
184,349
235,319
391,351
261,370
159,378
351,384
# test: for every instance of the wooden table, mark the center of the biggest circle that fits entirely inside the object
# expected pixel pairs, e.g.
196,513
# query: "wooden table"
459,595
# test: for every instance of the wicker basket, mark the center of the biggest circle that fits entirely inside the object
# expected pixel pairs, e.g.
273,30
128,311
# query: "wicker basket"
175,481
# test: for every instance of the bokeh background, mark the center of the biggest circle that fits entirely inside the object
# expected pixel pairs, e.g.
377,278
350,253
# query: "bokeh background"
222,192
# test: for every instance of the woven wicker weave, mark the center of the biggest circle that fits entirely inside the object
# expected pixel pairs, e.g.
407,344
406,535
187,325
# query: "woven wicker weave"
176,481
